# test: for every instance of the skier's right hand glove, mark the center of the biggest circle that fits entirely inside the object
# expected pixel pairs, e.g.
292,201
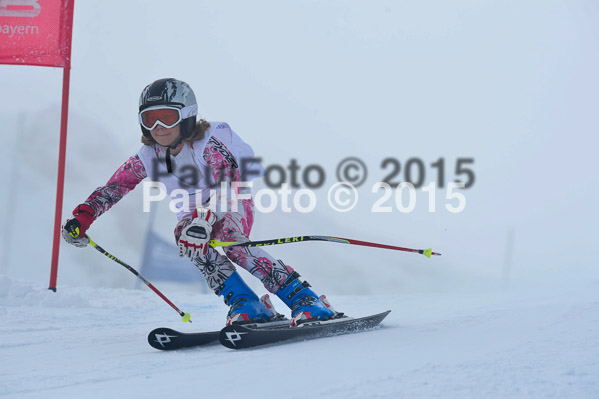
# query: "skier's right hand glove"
74,229
195,236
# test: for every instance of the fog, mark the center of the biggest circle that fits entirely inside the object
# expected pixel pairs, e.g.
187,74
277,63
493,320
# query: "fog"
511,85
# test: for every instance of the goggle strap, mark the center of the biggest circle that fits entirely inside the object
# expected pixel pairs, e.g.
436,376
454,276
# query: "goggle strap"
188,111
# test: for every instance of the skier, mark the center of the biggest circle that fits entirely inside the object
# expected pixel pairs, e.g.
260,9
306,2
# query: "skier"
174,146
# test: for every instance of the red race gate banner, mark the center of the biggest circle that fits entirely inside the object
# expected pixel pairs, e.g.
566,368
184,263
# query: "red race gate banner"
36,32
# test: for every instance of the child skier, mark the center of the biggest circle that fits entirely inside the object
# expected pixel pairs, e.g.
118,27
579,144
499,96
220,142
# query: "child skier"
174,146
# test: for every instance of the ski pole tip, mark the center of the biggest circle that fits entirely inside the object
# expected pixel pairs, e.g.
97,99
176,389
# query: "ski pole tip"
427,252
186,318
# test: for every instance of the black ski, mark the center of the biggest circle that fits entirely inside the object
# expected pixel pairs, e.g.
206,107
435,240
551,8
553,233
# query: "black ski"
247,336
166,339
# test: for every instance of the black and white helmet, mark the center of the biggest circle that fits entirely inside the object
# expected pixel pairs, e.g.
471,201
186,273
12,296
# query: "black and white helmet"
175,93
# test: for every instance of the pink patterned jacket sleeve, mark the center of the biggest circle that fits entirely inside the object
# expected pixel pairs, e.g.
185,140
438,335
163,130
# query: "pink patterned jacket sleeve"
129,175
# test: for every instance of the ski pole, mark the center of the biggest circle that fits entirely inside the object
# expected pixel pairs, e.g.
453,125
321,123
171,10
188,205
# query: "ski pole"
289,240
185,317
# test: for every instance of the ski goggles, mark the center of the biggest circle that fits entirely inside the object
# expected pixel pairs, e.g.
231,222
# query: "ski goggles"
165,115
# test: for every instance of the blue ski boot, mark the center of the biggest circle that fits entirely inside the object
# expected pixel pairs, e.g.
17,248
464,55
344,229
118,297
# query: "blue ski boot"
305,305
244,303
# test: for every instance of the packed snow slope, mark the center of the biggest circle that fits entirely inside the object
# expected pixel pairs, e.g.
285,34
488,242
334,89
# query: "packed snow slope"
519,342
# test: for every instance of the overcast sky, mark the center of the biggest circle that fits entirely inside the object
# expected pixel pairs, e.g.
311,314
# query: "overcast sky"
512,85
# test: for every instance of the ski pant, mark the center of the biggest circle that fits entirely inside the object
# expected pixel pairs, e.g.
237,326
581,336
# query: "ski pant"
236,226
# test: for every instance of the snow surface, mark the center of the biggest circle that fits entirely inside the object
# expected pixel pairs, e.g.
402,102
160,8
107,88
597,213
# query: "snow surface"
516,343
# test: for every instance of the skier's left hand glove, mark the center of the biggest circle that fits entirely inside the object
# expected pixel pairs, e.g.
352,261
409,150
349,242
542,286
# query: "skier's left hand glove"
195,237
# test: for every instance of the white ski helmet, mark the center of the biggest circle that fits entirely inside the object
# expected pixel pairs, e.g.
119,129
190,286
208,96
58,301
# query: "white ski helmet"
174,93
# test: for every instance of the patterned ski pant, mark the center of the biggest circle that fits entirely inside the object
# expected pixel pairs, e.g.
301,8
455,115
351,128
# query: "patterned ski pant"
236,226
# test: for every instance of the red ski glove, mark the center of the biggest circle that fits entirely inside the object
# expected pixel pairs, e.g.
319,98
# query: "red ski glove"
74,229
